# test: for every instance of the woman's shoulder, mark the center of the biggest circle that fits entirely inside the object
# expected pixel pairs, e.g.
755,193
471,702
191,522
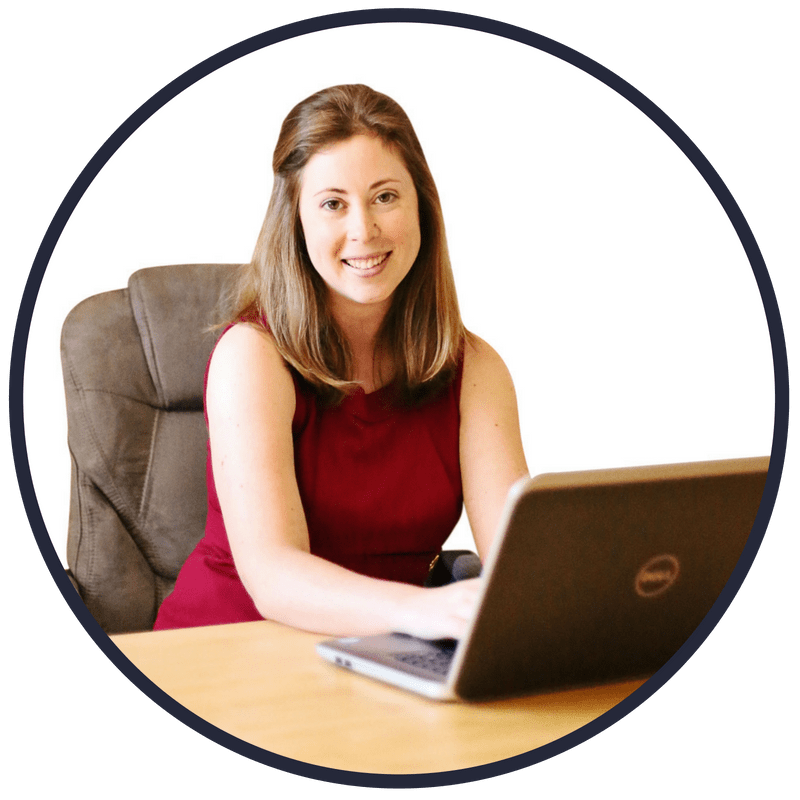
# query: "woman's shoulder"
246,361
245,340
481,360
486,381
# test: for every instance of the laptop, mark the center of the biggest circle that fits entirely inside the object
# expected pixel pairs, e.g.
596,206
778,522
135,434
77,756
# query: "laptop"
594,577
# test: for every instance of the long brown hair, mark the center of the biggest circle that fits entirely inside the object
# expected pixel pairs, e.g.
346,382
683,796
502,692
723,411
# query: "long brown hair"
423,332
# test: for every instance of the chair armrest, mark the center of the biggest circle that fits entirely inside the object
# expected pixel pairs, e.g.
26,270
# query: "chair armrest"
453,565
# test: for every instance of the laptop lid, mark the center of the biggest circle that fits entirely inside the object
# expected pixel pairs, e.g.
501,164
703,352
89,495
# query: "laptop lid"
594,576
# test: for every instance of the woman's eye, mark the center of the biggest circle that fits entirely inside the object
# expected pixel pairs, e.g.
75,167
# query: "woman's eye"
385,197
332,204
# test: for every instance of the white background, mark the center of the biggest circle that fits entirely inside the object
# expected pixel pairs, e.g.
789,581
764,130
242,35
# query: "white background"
586,247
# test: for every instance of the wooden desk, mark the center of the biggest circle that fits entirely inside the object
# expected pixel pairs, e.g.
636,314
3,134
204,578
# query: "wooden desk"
265,684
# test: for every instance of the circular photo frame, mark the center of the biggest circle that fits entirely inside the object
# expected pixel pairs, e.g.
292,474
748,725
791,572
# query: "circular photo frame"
582,222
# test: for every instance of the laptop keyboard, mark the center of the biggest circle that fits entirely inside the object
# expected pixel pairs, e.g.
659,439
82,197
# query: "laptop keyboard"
436,661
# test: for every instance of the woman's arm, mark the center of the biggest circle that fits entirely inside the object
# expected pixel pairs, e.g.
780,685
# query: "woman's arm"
492,459
250,401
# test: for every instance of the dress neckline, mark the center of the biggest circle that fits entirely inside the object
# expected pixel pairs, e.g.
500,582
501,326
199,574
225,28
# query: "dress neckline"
370,406
360,389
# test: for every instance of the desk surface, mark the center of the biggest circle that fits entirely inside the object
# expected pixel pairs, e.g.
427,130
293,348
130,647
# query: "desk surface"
265,684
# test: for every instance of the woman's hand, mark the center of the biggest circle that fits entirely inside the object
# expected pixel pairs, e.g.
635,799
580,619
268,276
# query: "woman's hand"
440,613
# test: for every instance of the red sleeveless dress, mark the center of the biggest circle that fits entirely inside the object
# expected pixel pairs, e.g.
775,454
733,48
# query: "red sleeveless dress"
381,491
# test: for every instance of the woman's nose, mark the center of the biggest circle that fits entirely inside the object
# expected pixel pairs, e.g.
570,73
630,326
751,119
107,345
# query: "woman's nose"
361,224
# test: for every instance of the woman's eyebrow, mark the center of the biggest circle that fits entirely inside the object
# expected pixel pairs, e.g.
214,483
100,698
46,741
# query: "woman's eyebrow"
334,190
385,180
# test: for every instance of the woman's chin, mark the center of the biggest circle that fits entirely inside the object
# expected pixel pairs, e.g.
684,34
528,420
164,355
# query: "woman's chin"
373,298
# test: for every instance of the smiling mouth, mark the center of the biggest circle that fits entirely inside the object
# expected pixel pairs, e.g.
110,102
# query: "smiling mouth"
367,263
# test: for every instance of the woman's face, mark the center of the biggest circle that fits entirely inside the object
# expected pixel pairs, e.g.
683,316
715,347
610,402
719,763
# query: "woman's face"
358,209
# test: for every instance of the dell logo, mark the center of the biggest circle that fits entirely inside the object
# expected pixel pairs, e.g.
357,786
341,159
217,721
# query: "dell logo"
656,576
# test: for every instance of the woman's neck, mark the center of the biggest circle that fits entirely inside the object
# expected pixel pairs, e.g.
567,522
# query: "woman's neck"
361,325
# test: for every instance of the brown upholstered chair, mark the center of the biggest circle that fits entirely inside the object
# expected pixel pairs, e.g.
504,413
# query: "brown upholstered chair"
134,361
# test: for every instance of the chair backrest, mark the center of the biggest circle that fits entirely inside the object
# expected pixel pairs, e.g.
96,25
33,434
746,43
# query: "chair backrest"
134,361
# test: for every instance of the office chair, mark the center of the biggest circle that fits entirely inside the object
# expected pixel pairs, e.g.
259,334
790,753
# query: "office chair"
134,361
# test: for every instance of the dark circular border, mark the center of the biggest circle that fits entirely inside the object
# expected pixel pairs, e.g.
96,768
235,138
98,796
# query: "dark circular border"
284,33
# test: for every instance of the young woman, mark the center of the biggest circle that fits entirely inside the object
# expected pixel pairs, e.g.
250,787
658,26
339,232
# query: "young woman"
349,411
